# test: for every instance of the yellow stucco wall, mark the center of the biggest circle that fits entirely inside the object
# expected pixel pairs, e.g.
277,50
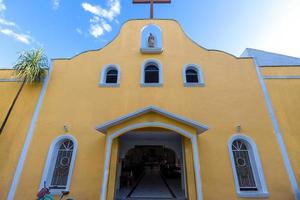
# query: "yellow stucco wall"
281,71
231,96
285,97
13,136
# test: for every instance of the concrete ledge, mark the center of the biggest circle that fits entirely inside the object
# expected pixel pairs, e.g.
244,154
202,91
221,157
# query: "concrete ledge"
151,50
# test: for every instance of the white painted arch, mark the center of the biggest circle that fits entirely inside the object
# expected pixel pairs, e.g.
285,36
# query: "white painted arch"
158,64
199,73
124,130
255,165
103,75
50,162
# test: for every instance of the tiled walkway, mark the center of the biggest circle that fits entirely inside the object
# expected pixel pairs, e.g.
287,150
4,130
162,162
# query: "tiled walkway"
152,186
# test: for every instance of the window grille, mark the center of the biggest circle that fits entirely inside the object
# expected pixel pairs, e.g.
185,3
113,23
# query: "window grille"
191,76
243,166
62,165
151,74
112,76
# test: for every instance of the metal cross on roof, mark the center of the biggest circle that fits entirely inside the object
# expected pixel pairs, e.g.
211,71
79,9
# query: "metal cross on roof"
151,4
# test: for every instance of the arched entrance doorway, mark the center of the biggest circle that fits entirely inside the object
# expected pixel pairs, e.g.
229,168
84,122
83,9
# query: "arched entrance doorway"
150,166
151,118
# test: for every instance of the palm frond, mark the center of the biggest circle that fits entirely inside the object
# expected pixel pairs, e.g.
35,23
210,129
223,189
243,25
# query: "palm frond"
31,66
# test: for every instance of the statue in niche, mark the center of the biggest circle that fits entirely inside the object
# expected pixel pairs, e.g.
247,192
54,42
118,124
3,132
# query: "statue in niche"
151,40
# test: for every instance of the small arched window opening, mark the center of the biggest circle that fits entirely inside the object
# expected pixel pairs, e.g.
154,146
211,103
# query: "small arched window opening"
191,76
112,76
151,74
247,170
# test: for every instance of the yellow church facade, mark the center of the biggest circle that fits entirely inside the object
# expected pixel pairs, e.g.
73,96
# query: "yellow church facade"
153,115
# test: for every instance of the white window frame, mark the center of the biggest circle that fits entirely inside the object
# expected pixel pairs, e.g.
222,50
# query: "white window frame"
199,72
51,160
262,190
105,69
160,74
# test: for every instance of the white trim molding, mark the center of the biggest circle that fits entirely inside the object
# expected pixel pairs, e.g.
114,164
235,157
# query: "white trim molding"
105,126
256,167
50,162
105,69
124,130
160,68
282,77
200,74
28,138
151,50
277,131
10,80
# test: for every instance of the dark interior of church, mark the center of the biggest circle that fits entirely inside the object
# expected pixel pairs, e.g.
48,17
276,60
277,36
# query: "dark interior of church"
146,168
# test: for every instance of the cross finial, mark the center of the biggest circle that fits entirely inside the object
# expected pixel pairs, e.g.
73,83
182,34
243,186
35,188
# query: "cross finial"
151,4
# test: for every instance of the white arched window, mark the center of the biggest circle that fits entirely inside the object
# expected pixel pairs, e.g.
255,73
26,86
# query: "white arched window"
59,165
193,75
247,170
151,39
151,73
110,76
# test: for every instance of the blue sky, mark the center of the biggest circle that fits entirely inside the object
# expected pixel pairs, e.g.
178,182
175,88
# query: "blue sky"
67,27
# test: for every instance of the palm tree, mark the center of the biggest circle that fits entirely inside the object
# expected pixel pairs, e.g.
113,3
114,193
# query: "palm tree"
30,67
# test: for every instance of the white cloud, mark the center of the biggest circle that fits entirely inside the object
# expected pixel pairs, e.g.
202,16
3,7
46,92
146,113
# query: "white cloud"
106,26
18,36
96,30
55,4
11,29
99,21
98,26
5,22
110,13
90,8
79,31
2,6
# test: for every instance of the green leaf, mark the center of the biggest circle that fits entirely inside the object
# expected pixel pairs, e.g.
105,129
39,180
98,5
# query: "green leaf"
31,66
